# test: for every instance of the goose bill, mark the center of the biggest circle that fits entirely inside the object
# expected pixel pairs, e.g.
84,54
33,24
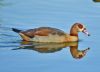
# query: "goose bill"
86,32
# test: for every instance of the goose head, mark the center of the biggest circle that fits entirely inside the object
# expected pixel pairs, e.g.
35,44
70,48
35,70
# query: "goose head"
82,28
78,27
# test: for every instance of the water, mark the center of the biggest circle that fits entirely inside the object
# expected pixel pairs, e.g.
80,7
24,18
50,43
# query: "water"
17,56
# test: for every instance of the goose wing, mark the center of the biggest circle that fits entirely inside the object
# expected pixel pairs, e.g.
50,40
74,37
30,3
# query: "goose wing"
43,31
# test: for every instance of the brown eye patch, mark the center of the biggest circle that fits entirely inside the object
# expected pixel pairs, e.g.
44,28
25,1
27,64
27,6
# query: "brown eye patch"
80,26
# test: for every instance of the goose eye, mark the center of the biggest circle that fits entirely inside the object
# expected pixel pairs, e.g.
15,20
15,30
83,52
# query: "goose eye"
80,26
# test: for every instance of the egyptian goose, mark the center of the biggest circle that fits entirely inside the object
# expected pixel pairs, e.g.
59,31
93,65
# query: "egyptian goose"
48,34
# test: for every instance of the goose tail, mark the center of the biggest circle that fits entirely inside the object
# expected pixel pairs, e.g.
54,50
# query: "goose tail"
16,30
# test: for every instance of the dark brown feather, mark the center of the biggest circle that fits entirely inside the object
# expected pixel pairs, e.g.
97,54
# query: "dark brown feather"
42,31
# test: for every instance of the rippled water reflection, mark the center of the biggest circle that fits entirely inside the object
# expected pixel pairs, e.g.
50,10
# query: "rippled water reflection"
54,47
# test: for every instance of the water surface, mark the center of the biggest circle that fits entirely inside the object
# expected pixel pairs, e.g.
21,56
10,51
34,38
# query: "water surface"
18,56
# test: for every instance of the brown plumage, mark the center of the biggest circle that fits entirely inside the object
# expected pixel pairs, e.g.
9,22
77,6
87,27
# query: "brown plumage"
43,31
48,34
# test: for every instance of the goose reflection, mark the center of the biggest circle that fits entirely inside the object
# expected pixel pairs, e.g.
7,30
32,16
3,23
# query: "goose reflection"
54,47
78,54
